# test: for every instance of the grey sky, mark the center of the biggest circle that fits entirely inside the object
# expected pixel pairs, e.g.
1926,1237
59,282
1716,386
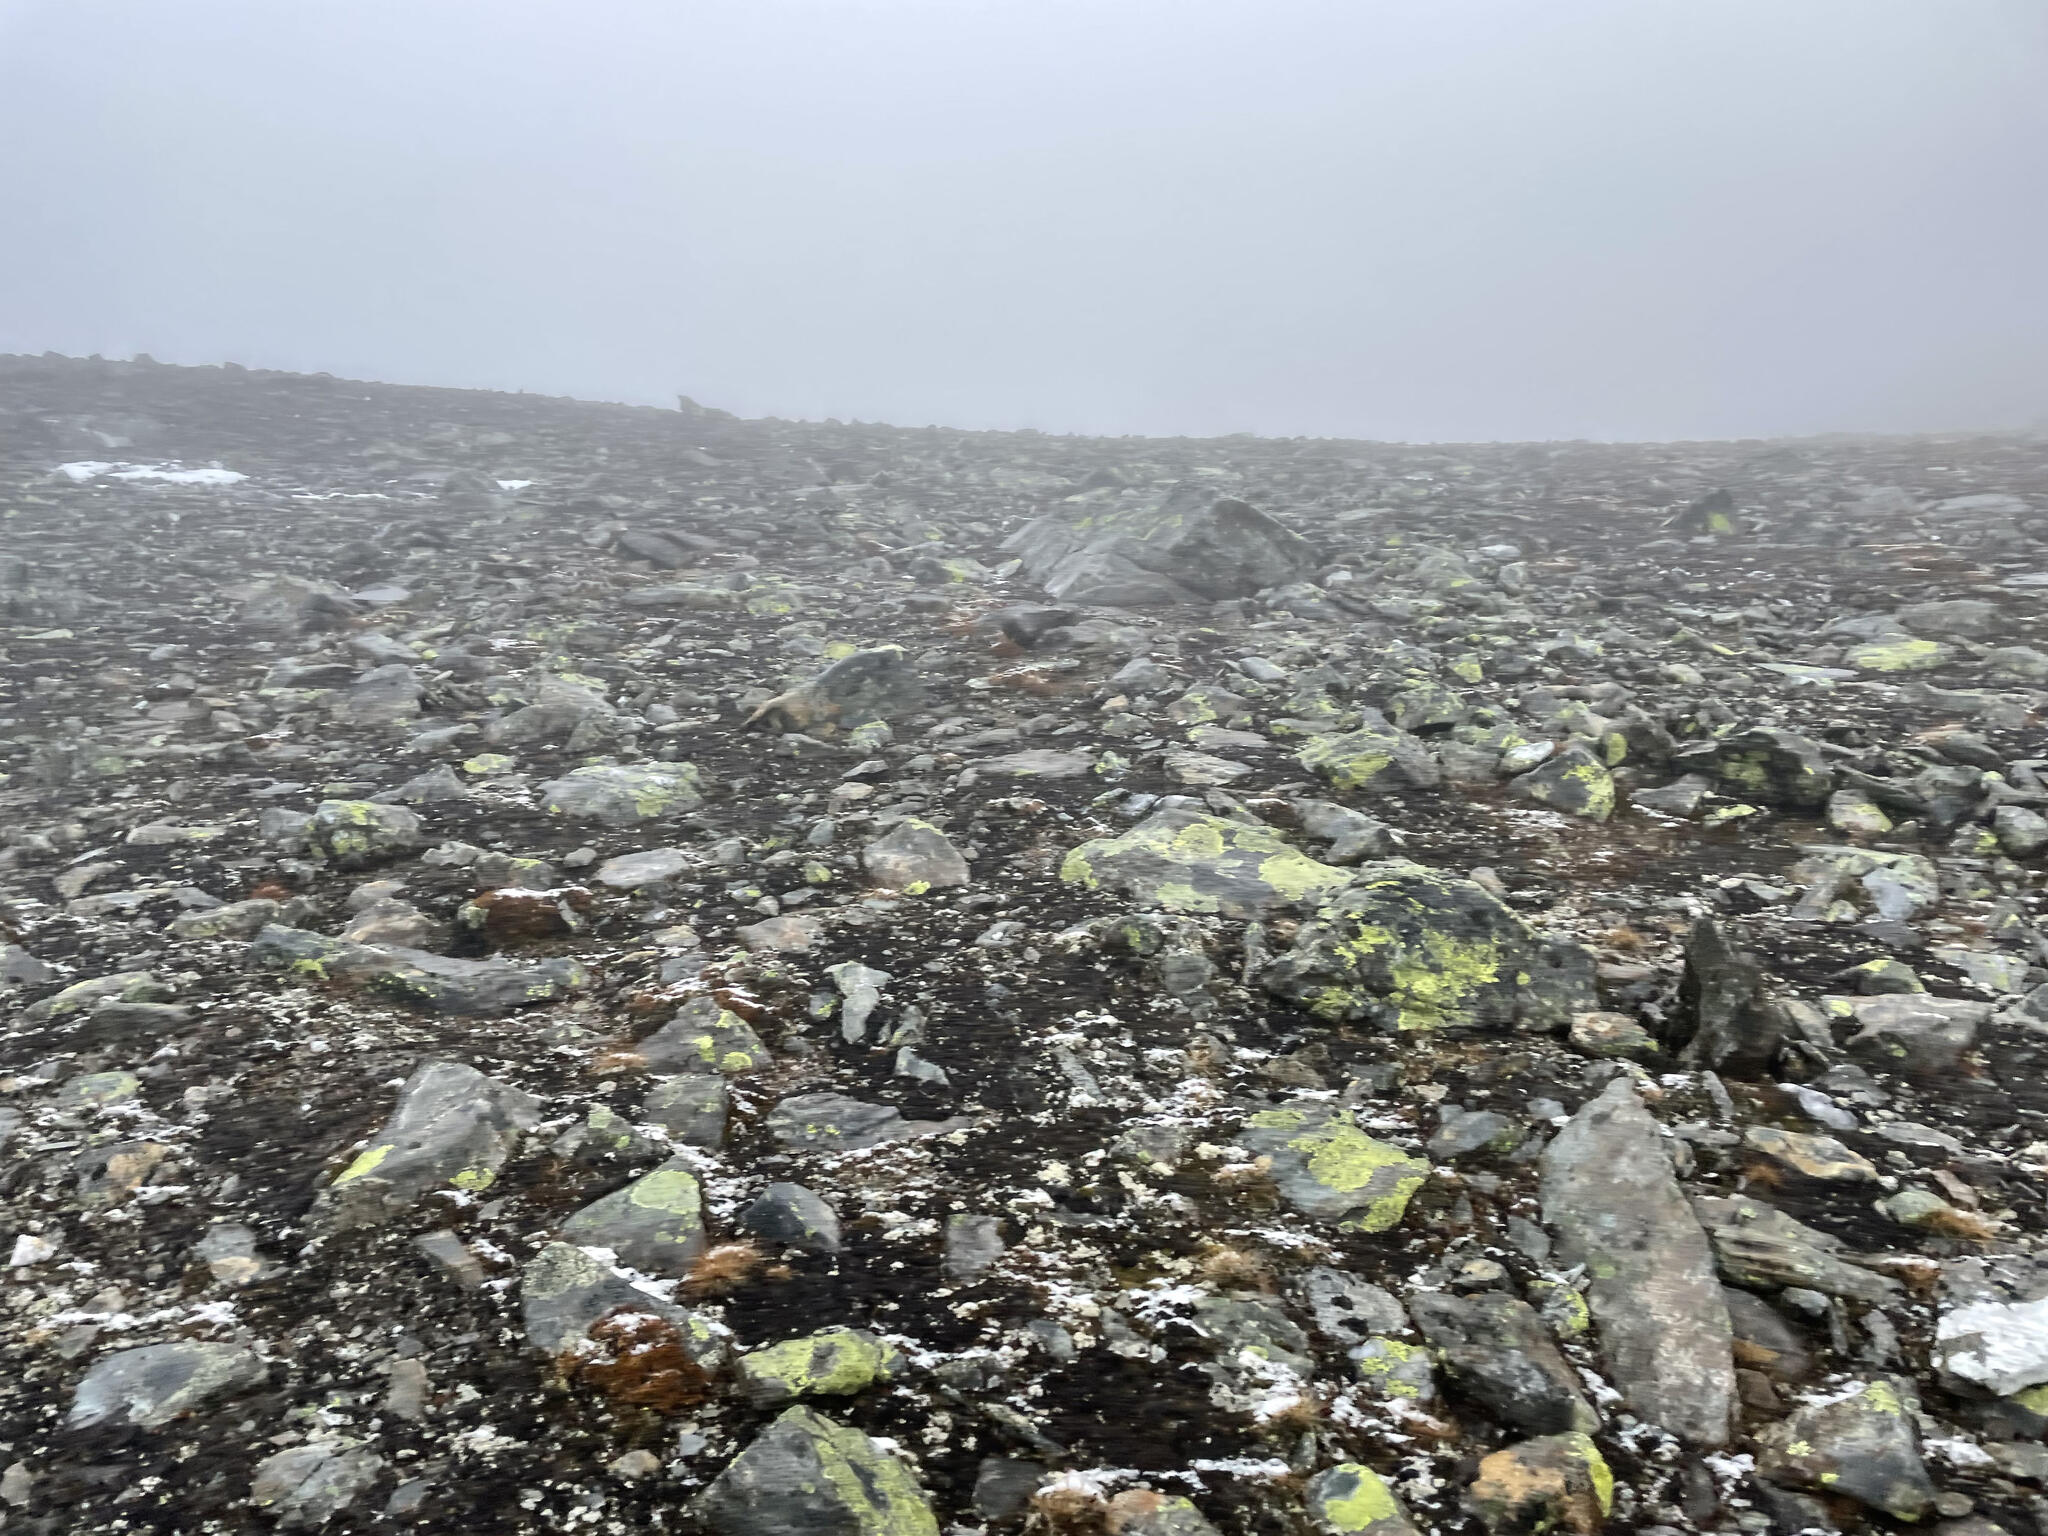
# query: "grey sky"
1444,219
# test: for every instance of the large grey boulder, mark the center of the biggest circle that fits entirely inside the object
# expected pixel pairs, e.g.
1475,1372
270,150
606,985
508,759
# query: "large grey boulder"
155,1383
870,685
1498,1351
452,1127
805,1475
1188,546
655,1224
304,1486
1185,861
1861,1444
619,796
1611,1197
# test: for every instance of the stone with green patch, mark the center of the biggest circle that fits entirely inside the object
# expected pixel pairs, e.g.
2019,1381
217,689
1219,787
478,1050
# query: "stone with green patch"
806,1475
1186,861
838,1362
1329,1169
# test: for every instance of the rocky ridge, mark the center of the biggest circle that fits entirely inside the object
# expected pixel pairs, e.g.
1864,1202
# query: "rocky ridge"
579,968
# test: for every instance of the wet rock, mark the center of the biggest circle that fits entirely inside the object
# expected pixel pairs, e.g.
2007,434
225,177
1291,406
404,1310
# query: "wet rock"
836,1363
1410,949
655,1224
452,1126
1185,861
1557,1482
1499,1353
1611,1197
152,1384
805,1475
1329,1169
1859,1443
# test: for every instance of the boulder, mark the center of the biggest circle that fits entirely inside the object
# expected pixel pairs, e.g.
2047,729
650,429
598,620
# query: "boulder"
1190,545
1611,1197
1329,1169
804,1475
1860,1443
1185,861
452,1126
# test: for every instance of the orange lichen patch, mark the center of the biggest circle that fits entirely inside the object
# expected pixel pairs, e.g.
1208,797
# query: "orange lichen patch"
644,1365
723,1270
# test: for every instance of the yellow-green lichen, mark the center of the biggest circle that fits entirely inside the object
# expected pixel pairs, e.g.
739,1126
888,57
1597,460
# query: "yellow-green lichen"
1368,1501
365,1164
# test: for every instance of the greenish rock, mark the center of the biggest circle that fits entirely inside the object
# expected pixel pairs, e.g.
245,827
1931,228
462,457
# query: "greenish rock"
805,1475
2020,664
605,1137
1761,1248
1141,1512
1353,1500
1497,1351
692,1108
1912,1033
1860,1444
1885,977
1573,781
452,1128
1428,707
1377,757
2021,833
1765,765
1253,1331
1185,861
358,833
236,920
417,978
1556,1482
1329,1169
618,796
84,996
1900,655
1610,1195
98,1090
1612,1037
704,1037
655,1224
1393,1368
914,856
838,1362
832,1122
1853,813
152,1384
1408,948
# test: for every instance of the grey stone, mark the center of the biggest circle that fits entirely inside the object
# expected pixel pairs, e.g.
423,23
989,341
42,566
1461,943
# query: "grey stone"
655,1224
1498,1352
692,1108
790,1216
305,1486
805,1475
416,977
914,856
452,1126
152,1384
973,1245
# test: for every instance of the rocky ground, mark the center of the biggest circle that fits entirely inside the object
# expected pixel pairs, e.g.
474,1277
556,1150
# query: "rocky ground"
579,968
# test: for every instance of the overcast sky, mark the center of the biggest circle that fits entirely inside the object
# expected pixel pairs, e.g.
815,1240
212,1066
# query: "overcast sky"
1447,219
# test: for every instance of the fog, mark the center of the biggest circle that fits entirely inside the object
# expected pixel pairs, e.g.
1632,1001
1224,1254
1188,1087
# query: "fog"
1462,220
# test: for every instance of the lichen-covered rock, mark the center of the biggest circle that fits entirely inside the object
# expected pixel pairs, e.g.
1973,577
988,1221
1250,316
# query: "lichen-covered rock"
1557,1482
1573,781
1141,1512
1860,1443
152,1384
835,1363
1376,757
83,996
805,1475
1327,1168
704,1037
417,978
1726,1018
452,1127
655,1224
1912,1033
1353,1500
1765,766
1611,1196
1408,948
692,1107
357,833
565,1292
620,796
1900,655
914,856
1185,861
1759,1246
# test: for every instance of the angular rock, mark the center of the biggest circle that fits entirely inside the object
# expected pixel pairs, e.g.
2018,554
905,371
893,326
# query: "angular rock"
358,833
1759,1246
804,1475
1408,948
1498,1352
1859,1444
1573,781
1351,1499
1189,545
415,977
452,1126
655,1224
1558,1482
618,797
152,1384
790,1216
304,1486
704,1037
1726,1019
1185,861
838,1362
1376,758
1611,1197
692,1108
916,857
1328,1169
878,684
1765,766
564,1293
